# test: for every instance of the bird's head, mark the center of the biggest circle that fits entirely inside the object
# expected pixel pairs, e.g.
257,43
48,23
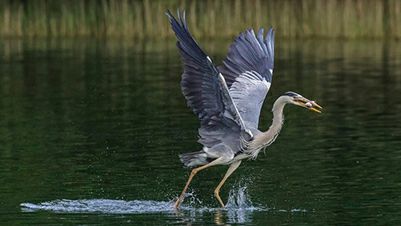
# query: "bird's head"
296,99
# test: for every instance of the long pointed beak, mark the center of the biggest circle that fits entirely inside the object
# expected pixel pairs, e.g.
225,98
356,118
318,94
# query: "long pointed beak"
316,108
313,106
309,104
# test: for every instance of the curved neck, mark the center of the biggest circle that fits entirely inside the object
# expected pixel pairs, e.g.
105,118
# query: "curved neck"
266,138
278,120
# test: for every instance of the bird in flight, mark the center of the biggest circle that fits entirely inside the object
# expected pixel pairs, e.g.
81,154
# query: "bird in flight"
228,99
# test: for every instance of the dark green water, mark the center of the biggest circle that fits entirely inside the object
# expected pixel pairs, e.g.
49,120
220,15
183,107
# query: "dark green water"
90,132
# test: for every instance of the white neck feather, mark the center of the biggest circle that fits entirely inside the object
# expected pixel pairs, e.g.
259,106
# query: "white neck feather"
278,115
264,139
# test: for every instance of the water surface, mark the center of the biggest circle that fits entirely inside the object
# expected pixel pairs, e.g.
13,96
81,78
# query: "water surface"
90,132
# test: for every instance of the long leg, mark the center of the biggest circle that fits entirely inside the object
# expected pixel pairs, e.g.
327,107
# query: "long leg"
230,170
217,161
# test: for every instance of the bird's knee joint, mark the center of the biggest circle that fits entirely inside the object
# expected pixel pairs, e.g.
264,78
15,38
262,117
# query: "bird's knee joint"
193,172
217,192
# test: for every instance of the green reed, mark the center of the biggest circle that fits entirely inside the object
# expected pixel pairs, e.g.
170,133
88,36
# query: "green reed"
207,18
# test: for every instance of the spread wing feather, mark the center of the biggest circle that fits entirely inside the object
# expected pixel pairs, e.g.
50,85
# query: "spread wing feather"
248,70
204,88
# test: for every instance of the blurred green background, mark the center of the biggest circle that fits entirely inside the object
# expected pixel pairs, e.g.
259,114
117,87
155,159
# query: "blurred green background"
222,18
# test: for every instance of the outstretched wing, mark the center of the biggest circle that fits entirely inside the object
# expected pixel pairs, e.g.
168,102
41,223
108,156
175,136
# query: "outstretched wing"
203,86
248,71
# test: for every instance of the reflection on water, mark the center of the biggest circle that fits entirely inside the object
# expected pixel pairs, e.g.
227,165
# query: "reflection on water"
103,121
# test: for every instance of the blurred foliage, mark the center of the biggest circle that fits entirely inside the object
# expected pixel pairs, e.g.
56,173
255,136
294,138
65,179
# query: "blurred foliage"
223,18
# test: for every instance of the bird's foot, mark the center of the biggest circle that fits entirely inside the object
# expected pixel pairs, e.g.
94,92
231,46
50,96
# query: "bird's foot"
177,203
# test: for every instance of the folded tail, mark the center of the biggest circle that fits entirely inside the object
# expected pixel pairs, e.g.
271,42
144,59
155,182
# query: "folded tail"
193,159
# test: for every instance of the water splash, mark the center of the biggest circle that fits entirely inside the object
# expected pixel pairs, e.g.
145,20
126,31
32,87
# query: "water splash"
99,206
193,199
238,198
239,205
238,201
239,208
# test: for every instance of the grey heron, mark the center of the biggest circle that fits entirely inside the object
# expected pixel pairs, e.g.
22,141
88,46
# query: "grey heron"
228,99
